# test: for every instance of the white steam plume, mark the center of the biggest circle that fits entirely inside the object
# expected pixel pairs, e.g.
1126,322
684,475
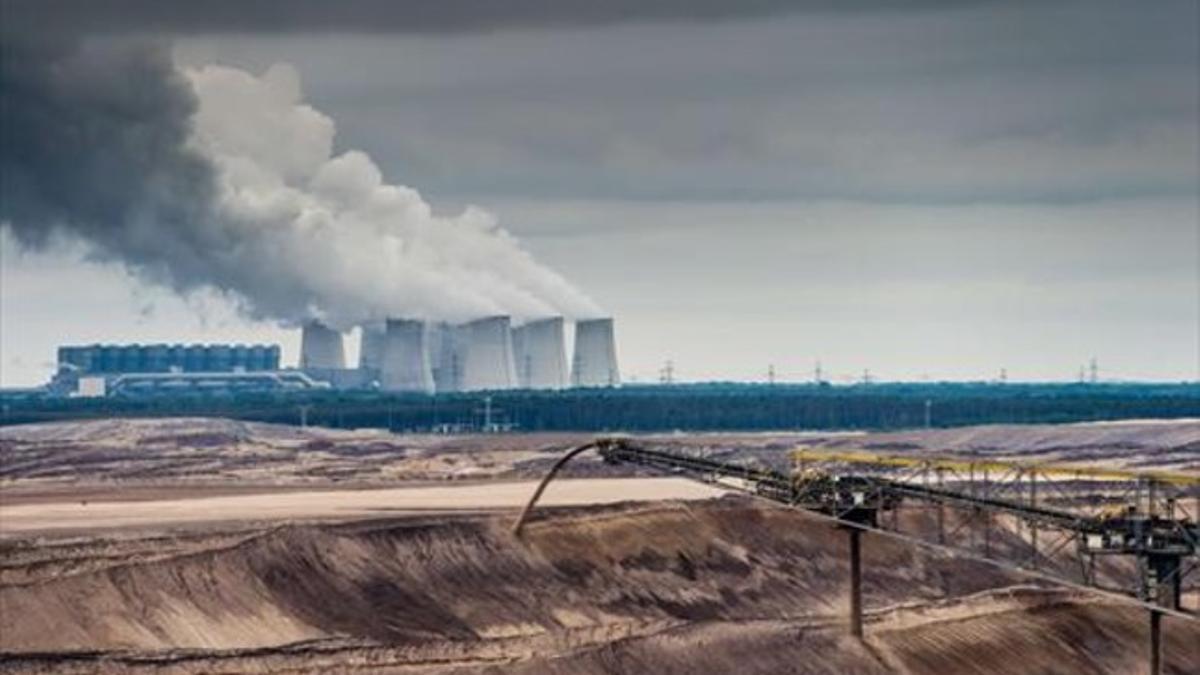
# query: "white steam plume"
324,236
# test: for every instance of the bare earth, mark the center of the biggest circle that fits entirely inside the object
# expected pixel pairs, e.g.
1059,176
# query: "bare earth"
188,546
307,505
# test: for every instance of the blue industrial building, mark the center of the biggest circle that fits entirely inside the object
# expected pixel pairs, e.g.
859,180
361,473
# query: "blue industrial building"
160,369
164,358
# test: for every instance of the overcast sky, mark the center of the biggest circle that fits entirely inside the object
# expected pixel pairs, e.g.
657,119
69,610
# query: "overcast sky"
938,192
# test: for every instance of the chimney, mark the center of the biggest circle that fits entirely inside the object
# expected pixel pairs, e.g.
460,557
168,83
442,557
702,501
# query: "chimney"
539,354
321,347
488,361
405,362
595,362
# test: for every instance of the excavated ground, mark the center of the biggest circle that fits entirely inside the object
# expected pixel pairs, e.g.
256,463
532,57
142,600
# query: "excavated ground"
725,585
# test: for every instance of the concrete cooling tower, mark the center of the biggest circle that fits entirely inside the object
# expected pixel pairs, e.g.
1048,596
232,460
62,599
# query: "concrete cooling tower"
405,359
539,354
446,350
321,347
595,362
370,353
488,361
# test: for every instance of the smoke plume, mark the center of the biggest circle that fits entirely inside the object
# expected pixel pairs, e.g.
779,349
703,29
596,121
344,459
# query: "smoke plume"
219,178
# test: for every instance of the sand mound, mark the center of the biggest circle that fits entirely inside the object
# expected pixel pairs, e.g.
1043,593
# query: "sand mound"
720,586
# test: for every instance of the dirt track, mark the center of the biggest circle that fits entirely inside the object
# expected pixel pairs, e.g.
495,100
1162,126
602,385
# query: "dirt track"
41,515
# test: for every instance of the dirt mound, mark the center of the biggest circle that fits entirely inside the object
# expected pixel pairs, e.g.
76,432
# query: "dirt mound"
718,586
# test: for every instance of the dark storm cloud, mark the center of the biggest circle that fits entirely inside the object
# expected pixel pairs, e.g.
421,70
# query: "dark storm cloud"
94,146
401,16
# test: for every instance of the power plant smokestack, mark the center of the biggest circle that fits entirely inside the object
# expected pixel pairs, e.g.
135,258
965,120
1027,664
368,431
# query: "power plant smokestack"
488,362
370,350
405,363
321,347
540,356
595,362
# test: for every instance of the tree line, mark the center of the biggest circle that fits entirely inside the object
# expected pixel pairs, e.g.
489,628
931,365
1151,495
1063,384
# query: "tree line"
699,407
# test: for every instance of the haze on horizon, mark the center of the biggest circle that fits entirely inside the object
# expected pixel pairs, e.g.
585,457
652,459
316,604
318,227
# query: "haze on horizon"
935,192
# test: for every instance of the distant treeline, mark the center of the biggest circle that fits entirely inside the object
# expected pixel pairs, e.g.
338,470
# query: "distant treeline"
715,406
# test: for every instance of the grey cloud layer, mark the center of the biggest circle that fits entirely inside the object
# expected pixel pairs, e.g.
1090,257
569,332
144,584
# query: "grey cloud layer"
994,103
406,16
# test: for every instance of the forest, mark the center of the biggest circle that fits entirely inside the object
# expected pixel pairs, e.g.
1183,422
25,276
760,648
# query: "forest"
685,407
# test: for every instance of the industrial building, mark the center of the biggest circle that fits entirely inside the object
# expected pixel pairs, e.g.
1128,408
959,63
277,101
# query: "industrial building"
401,355
109,369
221,383
164,358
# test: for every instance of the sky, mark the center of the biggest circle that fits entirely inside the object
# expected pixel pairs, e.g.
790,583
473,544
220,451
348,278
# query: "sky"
936,192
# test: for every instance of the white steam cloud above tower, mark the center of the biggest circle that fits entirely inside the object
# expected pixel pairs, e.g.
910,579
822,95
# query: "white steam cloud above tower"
323,236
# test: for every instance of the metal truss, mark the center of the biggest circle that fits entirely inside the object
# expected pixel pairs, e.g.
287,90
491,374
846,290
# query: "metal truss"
1130,534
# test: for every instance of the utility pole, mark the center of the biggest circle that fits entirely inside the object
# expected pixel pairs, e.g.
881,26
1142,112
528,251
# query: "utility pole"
866,376
817,378
667,374
1093,371
1004,376
771,374
494,419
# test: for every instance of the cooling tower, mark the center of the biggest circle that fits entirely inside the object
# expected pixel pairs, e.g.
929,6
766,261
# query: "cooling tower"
321,347
370,351
595,362
447,347
405,363
488,358
539,354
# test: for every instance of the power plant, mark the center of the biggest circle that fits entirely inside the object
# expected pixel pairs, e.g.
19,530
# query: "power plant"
401,355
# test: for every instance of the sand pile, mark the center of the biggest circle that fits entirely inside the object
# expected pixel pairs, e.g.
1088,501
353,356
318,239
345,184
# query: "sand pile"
719,586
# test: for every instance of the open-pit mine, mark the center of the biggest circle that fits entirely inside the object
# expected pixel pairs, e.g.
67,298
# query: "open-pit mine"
194,545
